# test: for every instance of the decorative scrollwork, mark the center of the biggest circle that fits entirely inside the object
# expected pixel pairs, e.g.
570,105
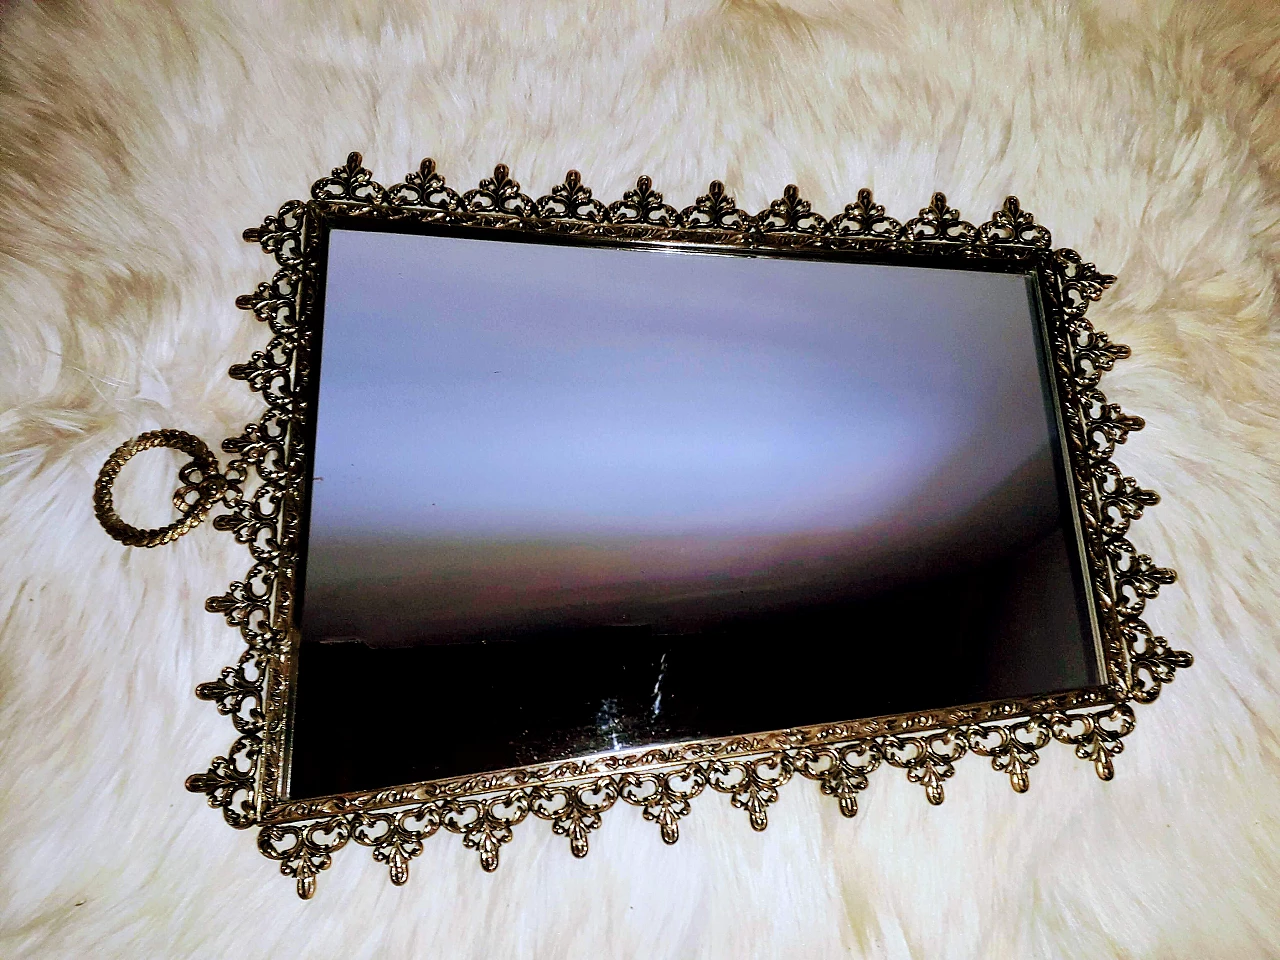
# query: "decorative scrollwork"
351,181
1080,284
1137,578
426,188
865,218
1106,424
664,798
1121,500
575,811
841,771
305,849
499,194
752,785
643,205
485,825
230,783
572,201
247,604
1154,661
1012,748
279,235
264,479
1012,224
715,209
1097,737
238,692
938,221
928,760
791,214
396,837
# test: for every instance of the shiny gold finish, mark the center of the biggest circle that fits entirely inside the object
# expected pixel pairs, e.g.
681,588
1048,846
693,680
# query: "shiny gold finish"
266,484
203,486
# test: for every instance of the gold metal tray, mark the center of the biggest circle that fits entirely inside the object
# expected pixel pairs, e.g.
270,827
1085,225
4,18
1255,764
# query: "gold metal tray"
265,489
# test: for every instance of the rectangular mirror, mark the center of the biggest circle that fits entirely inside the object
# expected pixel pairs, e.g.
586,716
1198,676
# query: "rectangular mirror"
557,505
568,499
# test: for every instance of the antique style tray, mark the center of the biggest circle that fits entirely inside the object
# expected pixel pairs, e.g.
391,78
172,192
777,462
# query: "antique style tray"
557,506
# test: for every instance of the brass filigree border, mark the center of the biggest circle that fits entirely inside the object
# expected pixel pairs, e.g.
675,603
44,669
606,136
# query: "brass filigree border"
264,486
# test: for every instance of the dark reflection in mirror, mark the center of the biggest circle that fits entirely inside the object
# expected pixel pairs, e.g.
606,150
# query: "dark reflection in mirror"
568,500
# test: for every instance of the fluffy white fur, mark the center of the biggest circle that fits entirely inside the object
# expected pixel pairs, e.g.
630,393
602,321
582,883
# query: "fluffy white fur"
138,140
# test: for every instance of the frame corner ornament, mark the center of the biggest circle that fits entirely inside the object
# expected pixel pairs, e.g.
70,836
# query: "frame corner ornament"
260,487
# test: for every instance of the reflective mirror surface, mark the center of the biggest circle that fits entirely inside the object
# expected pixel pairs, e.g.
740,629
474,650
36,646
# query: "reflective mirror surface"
570,499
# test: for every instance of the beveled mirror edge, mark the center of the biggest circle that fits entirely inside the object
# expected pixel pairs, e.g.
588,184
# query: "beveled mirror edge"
264,485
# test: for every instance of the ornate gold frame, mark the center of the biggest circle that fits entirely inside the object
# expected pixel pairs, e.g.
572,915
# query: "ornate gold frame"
264,488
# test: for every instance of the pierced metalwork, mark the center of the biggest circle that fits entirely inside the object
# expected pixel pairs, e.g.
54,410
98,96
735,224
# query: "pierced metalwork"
263,483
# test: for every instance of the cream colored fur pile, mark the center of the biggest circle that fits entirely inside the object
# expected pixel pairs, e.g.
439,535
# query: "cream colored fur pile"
138,139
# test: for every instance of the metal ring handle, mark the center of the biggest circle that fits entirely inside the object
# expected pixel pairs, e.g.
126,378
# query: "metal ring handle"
209,486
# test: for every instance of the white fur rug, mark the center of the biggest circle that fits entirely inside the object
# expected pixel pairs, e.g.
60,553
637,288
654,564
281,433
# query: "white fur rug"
138,140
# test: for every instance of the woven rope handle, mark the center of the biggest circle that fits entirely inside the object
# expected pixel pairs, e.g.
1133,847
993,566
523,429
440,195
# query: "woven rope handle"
203,486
